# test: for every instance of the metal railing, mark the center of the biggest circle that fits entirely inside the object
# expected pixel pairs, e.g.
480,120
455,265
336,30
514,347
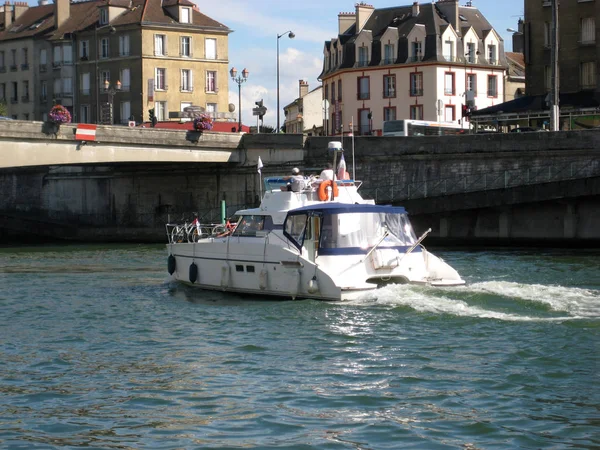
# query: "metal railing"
483,181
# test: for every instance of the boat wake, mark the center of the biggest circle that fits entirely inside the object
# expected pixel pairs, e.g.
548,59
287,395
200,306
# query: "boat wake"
502,300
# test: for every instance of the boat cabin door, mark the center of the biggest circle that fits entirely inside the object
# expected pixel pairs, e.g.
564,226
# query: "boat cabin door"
311,239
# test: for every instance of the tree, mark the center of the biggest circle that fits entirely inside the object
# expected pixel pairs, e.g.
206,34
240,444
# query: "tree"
3,109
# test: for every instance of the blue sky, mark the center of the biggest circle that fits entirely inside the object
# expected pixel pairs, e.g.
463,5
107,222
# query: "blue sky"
253,44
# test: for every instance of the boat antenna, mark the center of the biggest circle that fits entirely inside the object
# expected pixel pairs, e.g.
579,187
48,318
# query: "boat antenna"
335,147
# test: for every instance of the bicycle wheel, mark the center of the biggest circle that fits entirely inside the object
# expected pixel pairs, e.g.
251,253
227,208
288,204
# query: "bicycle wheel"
219,229
177,235
195,234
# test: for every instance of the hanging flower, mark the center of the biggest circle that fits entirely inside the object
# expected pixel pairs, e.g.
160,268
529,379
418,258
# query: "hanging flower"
203,122
59,114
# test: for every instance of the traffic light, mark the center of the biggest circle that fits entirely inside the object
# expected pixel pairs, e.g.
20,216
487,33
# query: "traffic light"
466,112
152,117
260,104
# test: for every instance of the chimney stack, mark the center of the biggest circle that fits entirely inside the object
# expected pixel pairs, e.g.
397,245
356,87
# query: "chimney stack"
8,15
345,21
62,11
450,9
303,88
20,8
415,9
363,12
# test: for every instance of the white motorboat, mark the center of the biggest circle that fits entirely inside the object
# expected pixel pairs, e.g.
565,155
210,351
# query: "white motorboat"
321,241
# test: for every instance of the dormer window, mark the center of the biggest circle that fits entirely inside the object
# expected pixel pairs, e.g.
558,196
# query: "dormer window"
185,15
449,50
416,51
363,56
103,16
492,54
388,54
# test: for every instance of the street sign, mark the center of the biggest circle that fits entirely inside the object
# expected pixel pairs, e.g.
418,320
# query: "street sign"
259,111
85,132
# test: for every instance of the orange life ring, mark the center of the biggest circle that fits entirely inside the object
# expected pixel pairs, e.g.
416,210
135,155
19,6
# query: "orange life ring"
323,195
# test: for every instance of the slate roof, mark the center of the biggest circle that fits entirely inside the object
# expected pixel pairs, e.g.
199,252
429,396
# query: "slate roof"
84,15
401,17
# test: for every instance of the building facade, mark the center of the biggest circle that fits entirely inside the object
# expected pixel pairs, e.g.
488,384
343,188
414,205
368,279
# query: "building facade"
578,50
514,86
111,61
305,114
410,62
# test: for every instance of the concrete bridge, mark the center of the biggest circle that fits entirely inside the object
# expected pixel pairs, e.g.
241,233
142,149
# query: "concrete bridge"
502,189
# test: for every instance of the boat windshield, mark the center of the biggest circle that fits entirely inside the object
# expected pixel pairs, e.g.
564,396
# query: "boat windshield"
250,224
355,232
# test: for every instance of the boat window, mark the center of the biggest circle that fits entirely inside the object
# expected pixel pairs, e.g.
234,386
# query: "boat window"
364,230
294,228
239,268
250,269
249,225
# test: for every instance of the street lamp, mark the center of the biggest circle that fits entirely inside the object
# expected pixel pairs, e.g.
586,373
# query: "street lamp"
239,80
110,92
291,35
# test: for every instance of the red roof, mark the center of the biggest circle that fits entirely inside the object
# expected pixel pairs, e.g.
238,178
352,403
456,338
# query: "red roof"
223,127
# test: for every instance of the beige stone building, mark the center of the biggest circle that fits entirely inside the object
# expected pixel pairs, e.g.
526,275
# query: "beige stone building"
515,76
152,54
305,114
423,61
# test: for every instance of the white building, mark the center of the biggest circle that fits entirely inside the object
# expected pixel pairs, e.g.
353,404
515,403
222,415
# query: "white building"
410,62
305,114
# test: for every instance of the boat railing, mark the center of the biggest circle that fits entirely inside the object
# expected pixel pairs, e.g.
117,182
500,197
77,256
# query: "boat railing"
178,233
276,183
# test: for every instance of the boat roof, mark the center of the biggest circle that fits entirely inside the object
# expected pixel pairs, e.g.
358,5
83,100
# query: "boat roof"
342,208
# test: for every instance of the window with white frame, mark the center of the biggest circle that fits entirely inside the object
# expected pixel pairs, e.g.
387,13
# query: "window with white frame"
416,51
588,75
416,84
363,56
388,51
492,58
416,112
184,105
103,16
124,45
160,79
211,109
389,86
363,88
185,15
547,36
449,50
472,83
160,45
186,80
26,89
160,110
449,83
104,48
84,114
67,86
84,50
211,81
210,48
68,54
57,53
85,83
57,86
125,111
588,30
186,42
492,86
471,52
104,77
449,113
43,58
25,55
125,80
389,113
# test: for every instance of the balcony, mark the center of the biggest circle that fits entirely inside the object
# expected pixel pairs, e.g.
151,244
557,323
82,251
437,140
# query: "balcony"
389,93
25,98
451,58
448,91
362,63
67,94
43,68
416,92
363,95
13,68
56,65
415,58
388,61
25,66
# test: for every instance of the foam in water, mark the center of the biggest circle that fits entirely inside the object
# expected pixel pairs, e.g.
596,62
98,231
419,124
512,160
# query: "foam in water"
578,303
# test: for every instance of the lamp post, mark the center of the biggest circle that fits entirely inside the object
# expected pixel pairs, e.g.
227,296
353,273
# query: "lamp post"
110,92
291,35
239,80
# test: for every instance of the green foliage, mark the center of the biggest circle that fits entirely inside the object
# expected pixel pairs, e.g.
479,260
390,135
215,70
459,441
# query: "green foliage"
3,109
